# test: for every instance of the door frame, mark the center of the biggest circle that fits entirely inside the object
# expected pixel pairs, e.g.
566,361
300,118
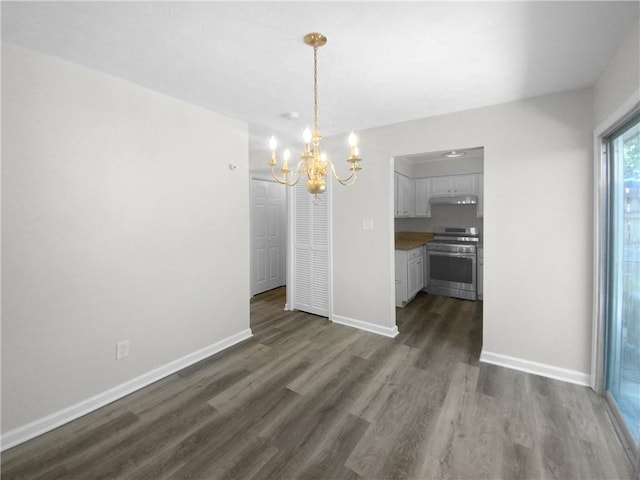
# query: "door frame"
600,208
621,115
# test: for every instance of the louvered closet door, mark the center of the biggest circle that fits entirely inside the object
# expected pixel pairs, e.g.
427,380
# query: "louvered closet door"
311,252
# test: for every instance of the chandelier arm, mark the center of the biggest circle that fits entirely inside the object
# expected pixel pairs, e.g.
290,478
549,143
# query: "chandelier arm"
275,177
282,181
343,181
298,172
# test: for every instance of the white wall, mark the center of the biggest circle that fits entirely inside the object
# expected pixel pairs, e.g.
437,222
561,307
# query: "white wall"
537,223
120,220
621,78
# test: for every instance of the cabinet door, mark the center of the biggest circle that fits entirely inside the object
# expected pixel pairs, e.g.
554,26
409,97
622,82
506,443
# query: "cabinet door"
401,278
423,193
425,269
405,196
464,184
480,273
416,276
480,185
400,196
442,185
454,185
396,192
407,190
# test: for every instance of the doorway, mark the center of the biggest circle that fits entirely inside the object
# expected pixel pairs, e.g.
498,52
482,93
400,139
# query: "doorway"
268,235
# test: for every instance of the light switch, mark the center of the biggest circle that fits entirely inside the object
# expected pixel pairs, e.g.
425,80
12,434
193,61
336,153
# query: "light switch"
367,224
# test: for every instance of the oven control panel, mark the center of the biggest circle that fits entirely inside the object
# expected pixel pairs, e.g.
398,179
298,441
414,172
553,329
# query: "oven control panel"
451,247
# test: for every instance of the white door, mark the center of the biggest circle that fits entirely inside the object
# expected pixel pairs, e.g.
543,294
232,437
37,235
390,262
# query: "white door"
310,251
268,234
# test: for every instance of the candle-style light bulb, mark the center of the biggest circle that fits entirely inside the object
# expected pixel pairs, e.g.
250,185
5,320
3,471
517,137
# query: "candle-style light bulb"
353,143
286,155
273,144
353,140
306,137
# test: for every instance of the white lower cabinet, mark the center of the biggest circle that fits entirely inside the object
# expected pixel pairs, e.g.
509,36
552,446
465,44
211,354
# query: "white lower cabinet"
409,274
425,287
480,273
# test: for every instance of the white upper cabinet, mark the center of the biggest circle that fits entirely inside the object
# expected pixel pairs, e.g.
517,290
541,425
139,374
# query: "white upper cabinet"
441,185
404,196
412,195
454,185
396,180
480,180
423,193
465,184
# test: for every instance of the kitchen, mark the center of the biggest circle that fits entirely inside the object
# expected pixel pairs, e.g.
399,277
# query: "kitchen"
438,209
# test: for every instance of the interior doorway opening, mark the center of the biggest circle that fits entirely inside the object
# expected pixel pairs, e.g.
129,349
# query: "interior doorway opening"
268,235
438,195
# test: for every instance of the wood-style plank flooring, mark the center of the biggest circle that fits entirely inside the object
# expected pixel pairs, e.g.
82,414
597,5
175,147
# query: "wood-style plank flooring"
306,399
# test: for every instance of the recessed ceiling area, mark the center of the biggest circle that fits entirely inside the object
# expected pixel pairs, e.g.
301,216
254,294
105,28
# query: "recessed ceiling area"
434,164
441,156
384,62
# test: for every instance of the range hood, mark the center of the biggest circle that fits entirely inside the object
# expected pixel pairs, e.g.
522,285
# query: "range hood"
454,200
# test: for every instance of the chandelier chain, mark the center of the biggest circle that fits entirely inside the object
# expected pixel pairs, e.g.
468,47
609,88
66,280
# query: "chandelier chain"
315,90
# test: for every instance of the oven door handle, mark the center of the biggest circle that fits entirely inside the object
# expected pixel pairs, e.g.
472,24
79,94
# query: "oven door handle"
452,254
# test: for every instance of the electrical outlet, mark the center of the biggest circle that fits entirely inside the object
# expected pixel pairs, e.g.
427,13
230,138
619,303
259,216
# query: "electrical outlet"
122,349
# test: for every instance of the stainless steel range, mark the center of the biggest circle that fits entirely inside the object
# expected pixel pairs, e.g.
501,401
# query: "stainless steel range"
452,262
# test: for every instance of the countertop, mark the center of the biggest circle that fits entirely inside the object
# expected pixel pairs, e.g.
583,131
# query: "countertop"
410,240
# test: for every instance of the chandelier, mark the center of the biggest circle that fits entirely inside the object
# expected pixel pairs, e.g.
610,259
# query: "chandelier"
313,164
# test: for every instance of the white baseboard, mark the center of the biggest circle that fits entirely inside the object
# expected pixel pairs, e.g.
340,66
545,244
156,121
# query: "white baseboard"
48,423
542,369
366,326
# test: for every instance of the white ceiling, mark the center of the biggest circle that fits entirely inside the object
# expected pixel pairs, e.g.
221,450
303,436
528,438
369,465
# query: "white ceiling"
385,62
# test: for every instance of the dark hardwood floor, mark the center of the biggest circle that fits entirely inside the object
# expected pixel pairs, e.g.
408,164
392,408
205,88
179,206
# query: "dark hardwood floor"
305,398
